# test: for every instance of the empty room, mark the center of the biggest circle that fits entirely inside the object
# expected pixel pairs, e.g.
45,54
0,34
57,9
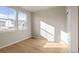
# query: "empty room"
39,29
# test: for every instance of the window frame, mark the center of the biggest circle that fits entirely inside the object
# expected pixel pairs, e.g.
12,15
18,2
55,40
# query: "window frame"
16,20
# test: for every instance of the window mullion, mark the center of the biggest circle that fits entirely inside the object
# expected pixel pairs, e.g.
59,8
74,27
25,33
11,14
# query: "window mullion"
16,20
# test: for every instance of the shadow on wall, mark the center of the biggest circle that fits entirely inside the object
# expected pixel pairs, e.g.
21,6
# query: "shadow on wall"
47,31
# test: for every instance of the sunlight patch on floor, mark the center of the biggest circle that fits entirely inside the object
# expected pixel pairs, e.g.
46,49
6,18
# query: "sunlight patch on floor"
55,45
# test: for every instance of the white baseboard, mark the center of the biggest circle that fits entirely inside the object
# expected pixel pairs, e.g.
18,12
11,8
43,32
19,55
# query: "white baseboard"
15,42
38,37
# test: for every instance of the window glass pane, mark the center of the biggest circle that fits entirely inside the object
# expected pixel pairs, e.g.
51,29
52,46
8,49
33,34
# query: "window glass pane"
22,20
7,18
4,12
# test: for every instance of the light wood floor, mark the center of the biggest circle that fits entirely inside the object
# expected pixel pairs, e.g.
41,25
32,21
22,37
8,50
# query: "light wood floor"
36,46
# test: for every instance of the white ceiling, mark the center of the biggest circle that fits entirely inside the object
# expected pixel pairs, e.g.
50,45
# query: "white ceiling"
36,8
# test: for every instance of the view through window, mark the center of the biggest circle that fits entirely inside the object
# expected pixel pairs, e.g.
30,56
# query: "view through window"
8,19
22,20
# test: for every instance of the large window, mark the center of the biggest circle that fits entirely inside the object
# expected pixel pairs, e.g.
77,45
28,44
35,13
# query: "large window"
10,19
22,17
7,18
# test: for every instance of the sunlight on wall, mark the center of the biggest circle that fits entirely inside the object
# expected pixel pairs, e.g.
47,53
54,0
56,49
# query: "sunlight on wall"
65,37
47,31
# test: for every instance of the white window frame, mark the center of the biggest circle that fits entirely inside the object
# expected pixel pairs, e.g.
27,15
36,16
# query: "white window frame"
16,21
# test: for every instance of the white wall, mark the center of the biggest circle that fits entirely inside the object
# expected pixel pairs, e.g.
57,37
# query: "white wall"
53,16
78,30
10,37
72,27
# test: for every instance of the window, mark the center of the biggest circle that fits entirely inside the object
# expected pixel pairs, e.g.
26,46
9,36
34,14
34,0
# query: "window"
7,18
22,20
10,19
